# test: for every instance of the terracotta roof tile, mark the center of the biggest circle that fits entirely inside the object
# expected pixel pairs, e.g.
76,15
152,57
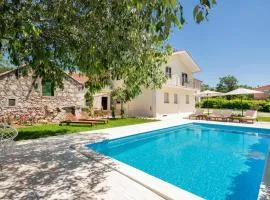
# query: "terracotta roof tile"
265,87
79,77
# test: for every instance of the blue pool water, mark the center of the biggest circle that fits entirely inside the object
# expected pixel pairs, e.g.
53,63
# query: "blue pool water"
212,161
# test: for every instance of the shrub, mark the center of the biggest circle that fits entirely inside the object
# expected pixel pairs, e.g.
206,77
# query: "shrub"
259,105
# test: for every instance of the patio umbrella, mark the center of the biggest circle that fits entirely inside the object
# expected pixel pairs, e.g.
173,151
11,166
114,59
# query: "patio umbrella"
241,91
208,93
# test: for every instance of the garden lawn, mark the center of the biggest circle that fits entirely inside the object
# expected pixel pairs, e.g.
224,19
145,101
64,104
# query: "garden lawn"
47,130
263,119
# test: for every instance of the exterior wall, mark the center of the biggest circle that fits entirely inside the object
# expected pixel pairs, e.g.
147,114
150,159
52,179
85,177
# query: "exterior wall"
143,105
97,105
29,98
178,67
172,108
265,89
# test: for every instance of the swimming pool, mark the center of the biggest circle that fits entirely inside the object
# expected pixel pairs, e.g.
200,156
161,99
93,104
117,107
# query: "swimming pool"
211,161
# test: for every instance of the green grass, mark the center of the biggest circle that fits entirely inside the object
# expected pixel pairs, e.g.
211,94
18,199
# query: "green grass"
263,119
47,130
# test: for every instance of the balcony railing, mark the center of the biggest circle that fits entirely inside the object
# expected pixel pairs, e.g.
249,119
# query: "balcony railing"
177,81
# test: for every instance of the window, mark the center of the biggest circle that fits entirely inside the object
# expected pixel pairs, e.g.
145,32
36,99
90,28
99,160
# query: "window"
166,97
184,78
187,99
11,102
175,97
47,88
169,72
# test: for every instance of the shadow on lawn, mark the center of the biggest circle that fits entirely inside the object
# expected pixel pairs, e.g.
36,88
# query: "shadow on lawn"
26,135
50,169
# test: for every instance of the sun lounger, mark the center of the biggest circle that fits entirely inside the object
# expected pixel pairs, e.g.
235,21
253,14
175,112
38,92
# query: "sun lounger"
216,115
251,116
226,115
72,119
198,113
69,122
85,117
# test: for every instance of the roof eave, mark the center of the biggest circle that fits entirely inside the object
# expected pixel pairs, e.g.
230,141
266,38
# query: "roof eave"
194,67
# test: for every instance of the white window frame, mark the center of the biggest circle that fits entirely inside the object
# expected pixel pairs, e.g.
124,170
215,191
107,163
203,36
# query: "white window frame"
175,98
166,97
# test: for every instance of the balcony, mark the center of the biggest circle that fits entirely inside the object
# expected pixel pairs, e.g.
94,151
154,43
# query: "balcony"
177,81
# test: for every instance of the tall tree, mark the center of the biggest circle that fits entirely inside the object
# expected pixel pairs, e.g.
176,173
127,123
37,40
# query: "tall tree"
105,39
227,83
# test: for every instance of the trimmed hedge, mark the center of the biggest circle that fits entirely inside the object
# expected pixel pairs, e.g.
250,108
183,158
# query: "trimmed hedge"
263,106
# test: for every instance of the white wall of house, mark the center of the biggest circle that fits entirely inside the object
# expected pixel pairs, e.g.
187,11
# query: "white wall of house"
178,66
97,102
185,101
142,105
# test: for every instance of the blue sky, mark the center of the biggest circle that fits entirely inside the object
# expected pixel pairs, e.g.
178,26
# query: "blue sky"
235,41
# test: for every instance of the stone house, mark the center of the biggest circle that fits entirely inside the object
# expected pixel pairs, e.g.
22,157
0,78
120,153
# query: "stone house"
21,95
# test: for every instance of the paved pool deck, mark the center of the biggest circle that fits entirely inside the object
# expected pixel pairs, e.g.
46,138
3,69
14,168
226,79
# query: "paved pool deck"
50,168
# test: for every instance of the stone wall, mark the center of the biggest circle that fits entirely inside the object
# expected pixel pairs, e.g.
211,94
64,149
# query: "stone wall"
28,97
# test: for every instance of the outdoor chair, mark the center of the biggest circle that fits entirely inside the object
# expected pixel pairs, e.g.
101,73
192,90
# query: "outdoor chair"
251,116
85,117
72,119
216,115
198,113
226,115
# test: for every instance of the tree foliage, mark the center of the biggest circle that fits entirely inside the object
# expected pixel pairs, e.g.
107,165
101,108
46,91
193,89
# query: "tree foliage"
4,65
206,87
227,84
4,69
105,39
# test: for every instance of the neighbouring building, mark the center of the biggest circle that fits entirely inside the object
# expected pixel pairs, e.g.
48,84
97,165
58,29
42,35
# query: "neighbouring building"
20,94
176,96
266,92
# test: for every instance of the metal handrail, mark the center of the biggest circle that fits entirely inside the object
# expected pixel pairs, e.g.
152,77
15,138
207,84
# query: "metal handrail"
177,80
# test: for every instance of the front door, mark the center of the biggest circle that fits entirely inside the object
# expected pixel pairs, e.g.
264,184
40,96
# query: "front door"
104,103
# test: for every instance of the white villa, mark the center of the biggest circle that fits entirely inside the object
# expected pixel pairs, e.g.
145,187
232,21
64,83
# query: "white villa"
176,96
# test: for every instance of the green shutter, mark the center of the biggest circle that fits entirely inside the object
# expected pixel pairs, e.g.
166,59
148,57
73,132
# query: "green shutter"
47,88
